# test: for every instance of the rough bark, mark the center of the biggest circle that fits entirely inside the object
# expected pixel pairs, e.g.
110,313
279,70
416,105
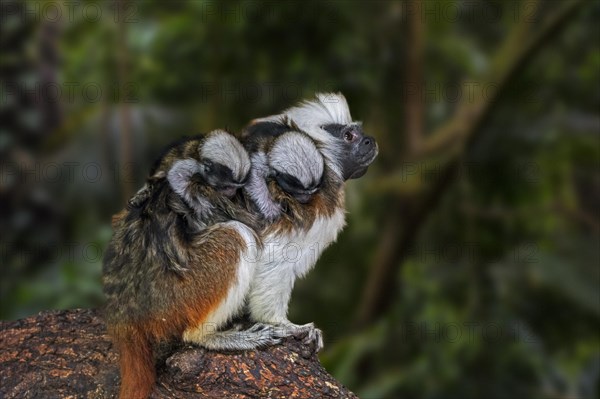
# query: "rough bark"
67,354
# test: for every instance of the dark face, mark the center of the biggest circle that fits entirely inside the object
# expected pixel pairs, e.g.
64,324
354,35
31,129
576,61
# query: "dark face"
359,150
220,177
291,185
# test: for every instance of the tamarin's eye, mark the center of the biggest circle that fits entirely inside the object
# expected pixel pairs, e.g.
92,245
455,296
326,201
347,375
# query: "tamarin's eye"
208,165
349,136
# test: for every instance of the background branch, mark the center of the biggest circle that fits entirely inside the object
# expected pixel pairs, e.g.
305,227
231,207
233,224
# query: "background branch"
454,137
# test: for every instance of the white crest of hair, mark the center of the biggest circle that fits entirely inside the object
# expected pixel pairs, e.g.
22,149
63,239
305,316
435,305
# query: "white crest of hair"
296,154
310,115
257,187
327,108
179,177
222,148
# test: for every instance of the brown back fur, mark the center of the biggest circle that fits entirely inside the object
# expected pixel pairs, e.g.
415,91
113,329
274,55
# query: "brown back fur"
160,278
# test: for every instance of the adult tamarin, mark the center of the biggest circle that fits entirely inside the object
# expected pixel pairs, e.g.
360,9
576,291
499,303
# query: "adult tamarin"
174,270
169,270
302,226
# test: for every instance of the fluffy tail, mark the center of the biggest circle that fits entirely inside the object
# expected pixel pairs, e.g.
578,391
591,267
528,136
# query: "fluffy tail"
137,363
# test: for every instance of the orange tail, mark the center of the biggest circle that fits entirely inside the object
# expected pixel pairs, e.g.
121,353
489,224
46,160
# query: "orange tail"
137,364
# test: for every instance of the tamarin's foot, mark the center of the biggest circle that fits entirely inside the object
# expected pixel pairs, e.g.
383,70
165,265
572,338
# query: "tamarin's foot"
313,336
263,333
258,336
308,333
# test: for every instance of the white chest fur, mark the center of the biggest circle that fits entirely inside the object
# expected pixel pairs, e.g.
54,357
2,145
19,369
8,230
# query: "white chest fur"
284,258
298,251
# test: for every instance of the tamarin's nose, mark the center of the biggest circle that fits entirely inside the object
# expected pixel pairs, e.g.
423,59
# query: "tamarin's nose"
366,145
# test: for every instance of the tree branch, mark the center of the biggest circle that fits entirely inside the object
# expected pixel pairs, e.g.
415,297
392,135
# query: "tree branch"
453,138
67,354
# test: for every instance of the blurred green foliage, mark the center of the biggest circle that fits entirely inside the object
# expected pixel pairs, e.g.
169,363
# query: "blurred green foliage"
498,294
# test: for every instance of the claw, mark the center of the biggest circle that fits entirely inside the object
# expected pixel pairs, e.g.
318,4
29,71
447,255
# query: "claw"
273,334
307,333
314,338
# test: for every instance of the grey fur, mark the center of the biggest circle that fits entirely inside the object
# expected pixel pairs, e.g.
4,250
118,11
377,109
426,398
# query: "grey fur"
221,147
296,154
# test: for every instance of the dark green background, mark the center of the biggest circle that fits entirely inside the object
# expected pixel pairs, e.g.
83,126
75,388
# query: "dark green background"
470,264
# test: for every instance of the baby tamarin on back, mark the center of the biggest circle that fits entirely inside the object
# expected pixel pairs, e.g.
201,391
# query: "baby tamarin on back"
197,168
